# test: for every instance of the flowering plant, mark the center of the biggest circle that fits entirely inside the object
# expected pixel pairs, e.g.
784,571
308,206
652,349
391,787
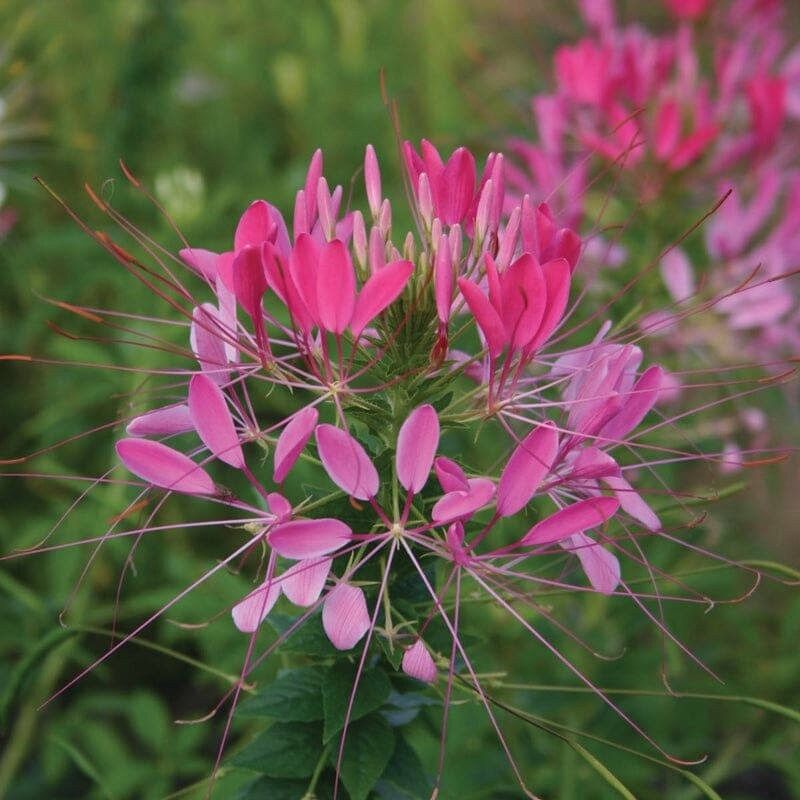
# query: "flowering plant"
325,382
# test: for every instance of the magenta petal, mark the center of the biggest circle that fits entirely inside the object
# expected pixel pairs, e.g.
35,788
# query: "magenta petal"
251,612
304,581
416,447
344,616
525,470
164,421
162,466
461,504
637,403
308,538
336,287
379,292
457,186
303,268
255,226
524,300
249,281
212,420
573,519
208,336
600,566
418,663
557,278
486,317
293,439
450,476
346,462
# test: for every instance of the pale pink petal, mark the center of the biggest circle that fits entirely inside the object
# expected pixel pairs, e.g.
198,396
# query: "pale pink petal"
336,287
292,441
443,280
212,420
486,317
372,179
632,502
461,504
573,519
304,581
525,470
279,506
418,663
450,476
251,612
677,274
346,462
207,336
600,566
308,538
345,617
204,262
164,421
379,292
416,447
162,466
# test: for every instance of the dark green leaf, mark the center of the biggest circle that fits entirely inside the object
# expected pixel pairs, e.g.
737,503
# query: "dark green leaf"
373,690
286,750
404,777
368,747
266,788
294,696
308,639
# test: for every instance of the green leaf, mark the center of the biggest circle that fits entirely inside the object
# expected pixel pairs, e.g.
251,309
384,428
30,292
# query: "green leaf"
294,696
373,691
286,750
309,639
368,747
272,788
404,777
25,669
598,766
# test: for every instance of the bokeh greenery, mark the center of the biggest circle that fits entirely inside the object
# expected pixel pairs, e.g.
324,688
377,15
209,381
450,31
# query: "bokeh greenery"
214,104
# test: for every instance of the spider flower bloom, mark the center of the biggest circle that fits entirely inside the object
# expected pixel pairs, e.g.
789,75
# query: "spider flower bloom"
375,353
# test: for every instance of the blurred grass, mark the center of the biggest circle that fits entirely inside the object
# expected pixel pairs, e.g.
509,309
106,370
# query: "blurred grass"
214,105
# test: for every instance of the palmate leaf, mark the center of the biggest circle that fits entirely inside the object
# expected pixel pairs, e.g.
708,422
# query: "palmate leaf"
294,696
372,692
368,748
272,788
404,777
285,750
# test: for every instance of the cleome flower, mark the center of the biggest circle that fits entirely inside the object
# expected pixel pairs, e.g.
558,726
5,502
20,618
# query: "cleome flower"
379,356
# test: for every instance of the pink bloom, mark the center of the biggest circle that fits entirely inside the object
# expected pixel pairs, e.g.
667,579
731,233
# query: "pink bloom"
418,663
344,616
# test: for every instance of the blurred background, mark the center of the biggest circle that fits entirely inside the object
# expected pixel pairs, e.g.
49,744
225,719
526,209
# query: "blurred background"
212,105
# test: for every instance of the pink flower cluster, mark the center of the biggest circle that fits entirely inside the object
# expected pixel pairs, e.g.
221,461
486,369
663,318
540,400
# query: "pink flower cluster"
647,106
319,313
